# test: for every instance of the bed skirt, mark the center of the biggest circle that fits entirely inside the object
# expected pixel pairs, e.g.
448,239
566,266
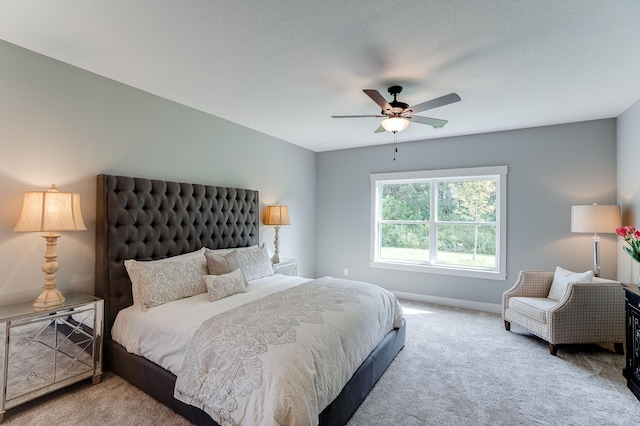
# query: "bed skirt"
159,383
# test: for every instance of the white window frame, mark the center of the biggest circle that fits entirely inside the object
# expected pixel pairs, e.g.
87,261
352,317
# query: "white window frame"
495,172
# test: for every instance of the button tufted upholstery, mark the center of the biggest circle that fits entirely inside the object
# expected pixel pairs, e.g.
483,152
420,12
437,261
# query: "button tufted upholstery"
147,219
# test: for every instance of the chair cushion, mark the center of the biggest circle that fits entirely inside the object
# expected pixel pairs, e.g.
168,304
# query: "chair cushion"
562,278
535,308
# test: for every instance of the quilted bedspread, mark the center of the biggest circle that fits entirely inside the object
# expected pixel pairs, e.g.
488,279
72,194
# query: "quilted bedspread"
282,359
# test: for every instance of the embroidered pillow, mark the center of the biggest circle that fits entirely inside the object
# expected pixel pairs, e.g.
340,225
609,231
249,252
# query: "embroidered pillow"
160,281
254,263
221,286
562,278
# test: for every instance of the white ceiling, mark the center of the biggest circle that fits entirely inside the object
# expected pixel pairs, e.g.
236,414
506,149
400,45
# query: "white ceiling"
284,67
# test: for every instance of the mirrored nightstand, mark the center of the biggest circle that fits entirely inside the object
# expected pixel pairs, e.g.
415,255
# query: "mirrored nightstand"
286,267
47,350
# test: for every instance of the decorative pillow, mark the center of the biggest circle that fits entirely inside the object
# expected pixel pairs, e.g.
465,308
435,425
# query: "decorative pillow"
160,281
221,286
219,264
562,278
254,263
222,252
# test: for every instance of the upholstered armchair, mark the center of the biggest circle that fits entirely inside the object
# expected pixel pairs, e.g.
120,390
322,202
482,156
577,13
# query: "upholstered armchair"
588,312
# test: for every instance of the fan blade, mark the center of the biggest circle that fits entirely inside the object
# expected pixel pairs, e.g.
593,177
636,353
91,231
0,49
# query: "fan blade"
379,99
435,103
435,122
380,129
357,116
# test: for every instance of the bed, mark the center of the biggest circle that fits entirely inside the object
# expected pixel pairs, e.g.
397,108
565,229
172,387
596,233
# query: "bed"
147,220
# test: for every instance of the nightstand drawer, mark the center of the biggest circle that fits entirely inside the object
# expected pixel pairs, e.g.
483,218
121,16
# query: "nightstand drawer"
286,267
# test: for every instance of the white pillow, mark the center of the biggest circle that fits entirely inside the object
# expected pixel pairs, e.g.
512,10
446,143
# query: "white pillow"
160,281
254,263
221,286
562,278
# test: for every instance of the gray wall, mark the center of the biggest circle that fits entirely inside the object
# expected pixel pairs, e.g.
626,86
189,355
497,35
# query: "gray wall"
63,125
629,183
550,169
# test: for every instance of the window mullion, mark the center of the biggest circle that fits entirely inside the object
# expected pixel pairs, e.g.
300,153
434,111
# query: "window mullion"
433,217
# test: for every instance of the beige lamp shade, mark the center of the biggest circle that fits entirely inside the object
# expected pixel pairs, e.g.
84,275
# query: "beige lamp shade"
595,218
277,215
50,211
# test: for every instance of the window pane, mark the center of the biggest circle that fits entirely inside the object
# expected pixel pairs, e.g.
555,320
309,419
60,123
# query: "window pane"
467,201
408,243
467,245
408,201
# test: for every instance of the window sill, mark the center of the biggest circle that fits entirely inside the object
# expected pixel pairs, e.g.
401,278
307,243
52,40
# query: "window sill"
430,269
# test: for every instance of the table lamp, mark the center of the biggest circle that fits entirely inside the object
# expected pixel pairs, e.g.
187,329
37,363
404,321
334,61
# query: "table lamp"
277,216
50,211
596,219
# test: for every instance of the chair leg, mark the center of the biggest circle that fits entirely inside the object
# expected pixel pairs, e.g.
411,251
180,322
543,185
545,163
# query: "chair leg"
507,325
618,348
553,349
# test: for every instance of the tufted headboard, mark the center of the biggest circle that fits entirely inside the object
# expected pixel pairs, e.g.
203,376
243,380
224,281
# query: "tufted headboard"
147,219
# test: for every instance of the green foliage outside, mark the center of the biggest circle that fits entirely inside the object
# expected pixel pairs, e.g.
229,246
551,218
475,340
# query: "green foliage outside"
444,257
472,201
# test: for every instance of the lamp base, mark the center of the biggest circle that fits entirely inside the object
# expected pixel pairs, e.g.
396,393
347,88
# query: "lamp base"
49,298
276,256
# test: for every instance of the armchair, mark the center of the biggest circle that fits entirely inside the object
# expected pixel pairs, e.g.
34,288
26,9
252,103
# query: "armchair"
589,312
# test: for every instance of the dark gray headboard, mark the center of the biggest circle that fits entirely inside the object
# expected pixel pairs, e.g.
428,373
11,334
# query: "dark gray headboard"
152,219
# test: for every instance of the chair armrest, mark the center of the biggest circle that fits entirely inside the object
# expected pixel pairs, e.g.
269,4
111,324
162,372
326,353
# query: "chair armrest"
601,293
529,284
594,309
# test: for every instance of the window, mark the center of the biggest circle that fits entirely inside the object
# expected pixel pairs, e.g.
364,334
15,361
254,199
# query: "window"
442,221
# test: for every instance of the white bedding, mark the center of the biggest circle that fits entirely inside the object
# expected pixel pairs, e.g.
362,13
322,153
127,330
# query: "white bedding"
282,359
161,334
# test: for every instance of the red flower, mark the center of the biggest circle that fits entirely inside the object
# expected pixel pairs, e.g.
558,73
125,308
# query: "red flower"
632,237
625,231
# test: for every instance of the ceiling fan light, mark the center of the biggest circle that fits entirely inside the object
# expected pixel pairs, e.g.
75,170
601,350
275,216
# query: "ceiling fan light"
395,124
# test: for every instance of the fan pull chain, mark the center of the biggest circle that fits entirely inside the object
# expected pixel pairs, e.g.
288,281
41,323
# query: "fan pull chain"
395,145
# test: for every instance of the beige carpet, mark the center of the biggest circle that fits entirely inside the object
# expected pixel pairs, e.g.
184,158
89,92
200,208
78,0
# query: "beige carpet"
458,367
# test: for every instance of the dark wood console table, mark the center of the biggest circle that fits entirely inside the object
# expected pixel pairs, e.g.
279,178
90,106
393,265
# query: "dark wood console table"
632,369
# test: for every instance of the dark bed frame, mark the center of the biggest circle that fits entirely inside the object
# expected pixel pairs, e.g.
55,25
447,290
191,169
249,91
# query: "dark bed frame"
151,219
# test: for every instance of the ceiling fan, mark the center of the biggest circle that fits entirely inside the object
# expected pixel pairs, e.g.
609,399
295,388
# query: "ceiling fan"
397,115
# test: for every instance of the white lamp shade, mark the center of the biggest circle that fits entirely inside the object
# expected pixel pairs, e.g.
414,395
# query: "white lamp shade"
395,124
277,215
595,218
50,211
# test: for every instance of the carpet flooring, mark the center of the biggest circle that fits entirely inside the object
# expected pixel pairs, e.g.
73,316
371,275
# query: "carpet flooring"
458,367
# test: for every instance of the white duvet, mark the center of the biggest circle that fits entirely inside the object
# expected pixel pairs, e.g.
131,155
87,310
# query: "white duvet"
161,334
278,354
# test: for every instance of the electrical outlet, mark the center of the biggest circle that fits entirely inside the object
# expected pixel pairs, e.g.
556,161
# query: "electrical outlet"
346,272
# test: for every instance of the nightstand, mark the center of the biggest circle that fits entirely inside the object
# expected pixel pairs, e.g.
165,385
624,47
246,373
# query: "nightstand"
47,350
286,267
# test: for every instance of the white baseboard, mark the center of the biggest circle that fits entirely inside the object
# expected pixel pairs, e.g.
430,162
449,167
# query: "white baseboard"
456,303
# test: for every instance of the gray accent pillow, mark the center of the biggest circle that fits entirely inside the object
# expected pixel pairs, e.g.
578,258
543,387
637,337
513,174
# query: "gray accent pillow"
221,286
219,264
